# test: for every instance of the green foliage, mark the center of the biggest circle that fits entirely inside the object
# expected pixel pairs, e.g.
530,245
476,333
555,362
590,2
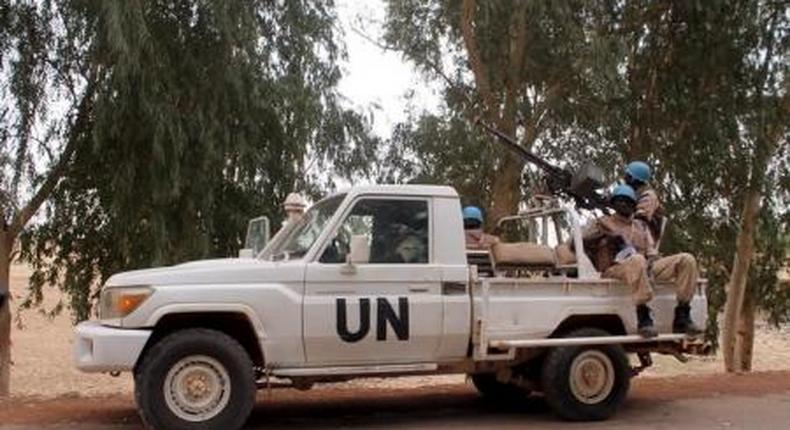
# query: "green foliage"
699,90
537,70
200,115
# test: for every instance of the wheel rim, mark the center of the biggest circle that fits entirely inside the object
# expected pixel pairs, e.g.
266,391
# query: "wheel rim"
591,377
197,388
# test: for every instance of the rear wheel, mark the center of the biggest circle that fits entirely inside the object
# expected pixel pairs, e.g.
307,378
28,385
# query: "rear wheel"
195,379
492,389
586,383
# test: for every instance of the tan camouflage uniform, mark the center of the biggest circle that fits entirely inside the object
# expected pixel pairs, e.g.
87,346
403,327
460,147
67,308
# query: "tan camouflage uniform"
680,268
478,240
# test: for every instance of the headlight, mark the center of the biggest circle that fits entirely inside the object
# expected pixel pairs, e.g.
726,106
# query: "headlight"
118,302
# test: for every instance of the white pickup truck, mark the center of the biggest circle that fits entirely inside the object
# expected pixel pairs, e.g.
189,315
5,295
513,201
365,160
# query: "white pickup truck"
375,281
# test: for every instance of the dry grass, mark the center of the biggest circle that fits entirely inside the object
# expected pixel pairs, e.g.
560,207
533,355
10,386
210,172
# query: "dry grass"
42,357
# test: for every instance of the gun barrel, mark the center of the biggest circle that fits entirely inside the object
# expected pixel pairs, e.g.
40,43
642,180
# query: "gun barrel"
519,150
581,187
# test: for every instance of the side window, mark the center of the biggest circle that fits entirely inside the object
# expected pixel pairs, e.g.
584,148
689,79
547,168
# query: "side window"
397,231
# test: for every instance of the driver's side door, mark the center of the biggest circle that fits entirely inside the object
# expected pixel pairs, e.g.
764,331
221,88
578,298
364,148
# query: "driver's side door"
388,310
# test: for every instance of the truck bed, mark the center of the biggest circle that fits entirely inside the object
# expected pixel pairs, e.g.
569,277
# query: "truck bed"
510,309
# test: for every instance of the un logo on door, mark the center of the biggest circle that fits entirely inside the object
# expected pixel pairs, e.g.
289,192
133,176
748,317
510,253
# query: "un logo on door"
385,314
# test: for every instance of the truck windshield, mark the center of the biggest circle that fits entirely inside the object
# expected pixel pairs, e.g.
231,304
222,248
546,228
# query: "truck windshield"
302,234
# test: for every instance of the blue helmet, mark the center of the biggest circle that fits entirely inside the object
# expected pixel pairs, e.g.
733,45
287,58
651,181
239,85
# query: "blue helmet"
473,212
623,190
638,170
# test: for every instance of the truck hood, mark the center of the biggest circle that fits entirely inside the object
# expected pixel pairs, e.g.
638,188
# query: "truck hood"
215,271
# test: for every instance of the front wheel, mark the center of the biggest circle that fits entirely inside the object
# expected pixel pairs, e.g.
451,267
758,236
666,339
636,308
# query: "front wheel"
586,383
195,379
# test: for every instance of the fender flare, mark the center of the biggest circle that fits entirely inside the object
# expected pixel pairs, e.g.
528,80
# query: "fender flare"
208,308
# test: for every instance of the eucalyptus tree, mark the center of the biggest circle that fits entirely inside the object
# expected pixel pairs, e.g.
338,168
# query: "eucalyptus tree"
531,69
187,118
47,95
709,108
690,87
765,129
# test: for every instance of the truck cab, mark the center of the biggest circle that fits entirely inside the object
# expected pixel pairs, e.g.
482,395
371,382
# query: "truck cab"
374,281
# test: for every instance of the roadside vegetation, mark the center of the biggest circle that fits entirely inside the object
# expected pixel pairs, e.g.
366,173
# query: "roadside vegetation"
135,134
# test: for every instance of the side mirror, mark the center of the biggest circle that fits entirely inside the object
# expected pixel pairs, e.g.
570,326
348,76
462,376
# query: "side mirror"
257,237
360,250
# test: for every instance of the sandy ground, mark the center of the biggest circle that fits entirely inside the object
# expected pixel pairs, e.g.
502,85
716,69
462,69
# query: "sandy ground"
42,357
753,401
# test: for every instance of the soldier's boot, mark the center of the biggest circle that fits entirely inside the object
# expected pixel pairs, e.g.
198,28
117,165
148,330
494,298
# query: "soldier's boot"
645,326
682,323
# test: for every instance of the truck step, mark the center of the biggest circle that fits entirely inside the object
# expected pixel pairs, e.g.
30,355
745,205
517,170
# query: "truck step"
594,340
357,370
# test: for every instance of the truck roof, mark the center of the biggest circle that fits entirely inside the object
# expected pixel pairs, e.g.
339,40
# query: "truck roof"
403,189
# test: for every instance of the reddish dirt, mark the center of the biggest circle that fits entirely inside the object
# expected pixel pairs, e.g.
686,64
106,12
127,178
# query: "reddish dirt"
336,403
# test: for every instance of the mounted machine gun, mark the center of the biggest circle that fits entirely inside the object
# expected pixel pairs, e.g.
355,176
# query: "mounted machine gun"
582,185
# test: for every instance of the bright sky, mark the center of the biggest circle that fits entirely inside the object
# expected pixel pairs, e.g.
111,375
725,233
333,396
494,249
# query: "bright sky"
375,79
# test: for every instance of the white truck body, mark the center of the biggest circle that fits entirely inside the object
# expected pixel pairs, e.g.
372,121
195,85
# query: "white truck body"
313,320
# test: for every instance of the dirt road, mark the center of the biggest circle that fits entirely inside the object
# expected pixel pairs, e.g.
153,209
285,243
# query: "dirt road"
755,401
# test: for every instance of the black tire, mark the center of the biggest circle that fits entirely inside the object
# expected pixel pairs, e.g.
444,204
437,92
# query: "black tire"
559,389
211,349
492,389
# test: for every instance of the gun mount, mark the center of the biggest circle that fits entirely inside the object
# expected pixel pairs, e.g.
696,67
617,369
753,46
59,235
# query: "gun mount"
581,185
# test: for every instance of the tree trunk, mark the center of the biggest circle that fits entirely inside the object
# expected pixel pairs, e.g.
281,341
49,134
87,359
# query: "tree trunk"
506,189
738,277
5,314
745,343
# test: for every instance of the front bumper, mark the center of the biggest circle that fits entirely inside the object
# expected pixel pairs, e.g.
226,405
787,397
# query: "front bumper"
98,348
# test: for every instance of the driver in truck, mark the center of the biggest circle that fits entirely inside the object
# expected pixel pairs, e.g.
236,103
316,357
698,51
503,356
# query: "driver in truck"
473,230
621,247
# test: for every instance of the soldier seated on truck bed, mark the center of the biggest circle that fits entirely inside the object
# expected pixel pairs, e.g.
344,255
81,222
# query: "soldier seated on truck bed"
473,230
621,247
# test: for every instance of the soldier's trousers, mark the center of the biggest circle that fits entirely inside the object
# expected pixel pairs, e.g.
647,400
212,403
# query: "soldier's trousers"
679,268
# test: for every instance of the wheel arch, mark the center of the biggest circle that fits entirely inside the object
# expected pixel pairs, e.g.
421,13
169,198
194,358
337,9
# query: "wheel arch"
236,324
611,323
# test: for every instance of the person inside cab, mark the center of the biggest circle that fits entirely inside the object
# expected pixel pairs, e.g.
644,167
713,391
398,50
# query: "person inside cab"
410,250
648,207
621,248
474,235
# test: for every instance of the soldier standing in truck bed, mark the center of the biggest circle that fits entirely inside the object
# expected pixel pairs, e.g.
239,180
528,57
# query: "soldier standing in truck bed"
648,206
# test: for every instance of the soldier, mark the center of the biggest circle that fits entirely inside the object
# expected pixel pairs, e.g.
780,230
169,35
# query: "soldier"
473,230
648,207
622,248
294,207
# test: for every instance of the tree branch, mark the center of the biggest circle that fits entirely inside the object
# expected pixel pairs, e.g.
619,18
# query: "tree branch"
518,44
84,111
475,59
436,68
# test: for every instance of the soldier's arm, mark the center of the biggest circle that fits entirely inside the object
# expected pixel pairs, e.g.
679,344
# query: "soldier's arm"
592,233
652,252
647,205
